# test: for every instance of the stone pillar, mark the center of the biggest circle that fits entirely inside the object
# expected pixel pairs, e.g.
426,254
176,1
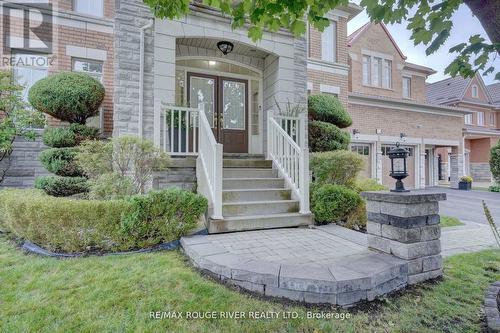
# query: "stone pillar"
456,166
406,225
435,168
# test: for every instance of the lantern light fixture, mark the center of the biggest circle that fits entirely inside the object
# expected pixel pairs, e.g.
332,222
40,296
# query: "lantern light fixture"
355,133
403,136
398,156
225,47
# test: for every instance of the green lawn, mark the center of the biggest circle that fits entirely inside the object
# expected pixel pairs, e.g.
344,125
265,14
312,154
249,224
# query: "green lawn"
117,294
448,221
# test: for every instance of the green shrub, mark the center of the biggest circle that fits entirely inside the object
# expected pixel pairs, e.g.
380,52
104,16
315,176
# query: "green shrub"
62,186
334,203
336,167
68,96
70,225
60,161
363,184
327,137
162,216
83,132
495,161
328,108
95,158
111,186
494,188
59,137
357,218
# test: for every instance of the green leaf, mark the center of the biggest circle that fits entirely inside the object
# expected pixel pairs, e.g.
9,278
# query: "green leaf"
255,33
298,27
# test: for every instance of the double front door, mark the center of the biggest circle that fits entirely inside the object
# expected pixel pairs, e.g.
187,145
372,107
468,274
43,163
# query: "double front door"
225,101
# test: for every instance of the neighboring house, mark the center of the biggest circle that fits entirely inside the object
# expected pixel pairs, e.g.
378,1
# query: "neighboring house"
387,101
481,128
82,36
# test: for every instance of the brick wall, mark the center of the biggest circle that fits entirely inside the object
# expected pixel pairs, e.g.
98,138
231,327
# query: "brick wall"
315,41
319,77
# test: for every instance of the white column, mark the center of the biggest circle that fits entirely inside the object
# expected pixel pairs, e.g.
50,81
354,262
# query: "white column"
421,166
378,150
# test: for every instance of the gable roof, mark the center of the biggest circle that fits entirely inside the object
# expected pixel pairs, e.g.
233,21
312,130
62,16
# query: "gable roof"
351,39
494,90
452,89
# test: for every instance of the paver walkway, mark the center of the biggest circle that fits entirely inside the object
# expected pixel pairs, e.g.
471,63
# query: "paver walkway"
468,238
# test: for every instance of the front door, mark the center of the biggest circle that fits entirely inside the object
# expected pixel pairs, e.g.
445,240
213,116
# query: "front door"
225,101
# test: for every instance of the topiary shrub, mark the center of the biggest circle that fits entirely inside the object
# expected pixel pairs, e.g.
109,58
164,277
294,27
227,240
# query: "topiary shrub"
68,96
60,161
328,108
336,167
327,137
59,137
62,186
84,133
495,161
334,203
72,225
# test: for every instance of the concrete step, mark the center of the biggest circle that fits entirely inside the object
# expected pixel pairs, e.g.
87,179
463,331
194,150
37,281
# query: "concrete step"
243,156
252,183
247,163
256,195
258,222
250,208
249,173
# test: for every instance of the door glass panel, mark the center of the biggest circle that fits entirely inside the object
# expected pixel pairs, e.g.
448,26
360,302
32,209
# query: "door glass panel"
233,99
202,93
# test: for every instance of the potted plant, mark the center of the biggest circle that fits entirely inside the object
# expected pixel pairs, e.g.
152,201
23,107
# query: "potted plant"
465,183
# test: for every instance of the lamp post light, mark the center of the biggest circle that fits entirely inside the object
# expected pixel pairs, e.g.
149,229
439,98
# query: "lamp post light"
225,47
399,172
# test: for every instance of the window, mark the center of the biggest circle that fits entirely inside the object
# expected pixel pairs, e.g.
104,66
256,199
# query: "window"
91,67
406,87
329,43
468,119
366,70
492,119
361,149
387,74
28,69
89,7
475,93
480,118
377,72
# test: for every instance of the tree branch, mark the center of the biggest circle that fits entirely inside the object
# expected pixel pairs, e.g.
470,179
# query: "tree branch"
488,13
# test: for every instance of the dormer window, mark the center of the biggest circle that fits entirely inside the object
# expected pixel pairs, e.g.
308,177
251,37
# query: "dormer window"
475,91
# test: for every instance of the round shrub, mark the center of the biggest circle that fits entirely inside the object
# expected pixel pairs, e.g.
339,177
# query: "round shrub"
329,109
59,137
339,167
327,137
364,184
62,186
333,203
111,186
61,161
73,225
68,96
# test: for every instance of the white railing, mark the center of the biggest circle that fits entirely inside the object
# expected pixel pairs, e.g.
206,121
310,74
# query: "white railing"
209,167
290,155
180,130
291,125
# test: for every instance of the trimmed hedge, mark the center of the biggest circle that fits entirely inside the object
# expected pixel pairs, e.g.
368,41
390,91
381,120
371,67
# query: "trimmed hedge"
495,161
334,203
336,167
328,108
60,137
60,161
83,132
327,137
68,96
62,186
69,225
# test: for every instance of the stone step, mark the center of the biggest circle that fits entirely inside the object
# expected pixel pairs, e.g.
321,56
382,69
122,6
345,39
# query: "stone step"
258,222
249,173
247,163
252,183
254,208
256,195
243,156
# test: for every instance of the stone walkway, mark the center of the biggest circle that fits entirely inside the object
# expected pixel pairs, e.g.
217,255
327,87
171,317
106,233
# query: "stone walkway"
468,238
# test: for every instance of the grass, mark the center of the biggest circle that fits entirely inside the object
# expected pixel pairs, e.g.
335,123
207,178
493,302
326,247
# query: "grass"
448,221
117,294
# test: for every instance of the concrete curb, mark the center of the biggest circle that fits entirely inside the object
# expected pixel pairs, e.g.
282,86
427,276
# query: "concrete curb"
491,306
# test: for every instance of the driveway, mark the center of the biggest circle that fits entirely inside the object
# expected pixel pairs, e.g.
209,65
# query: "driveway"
467,205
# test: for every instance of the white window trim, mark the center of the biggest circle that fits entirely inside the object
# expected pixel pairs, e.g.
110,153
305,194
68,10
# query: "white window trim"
86,53
493,117
383,58
333,25
406,77
475,88
468,119
478,122
325,88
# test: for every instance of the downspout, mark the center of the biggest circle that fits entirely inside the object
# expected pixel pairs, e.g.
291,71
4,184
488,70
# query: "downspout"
141,77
